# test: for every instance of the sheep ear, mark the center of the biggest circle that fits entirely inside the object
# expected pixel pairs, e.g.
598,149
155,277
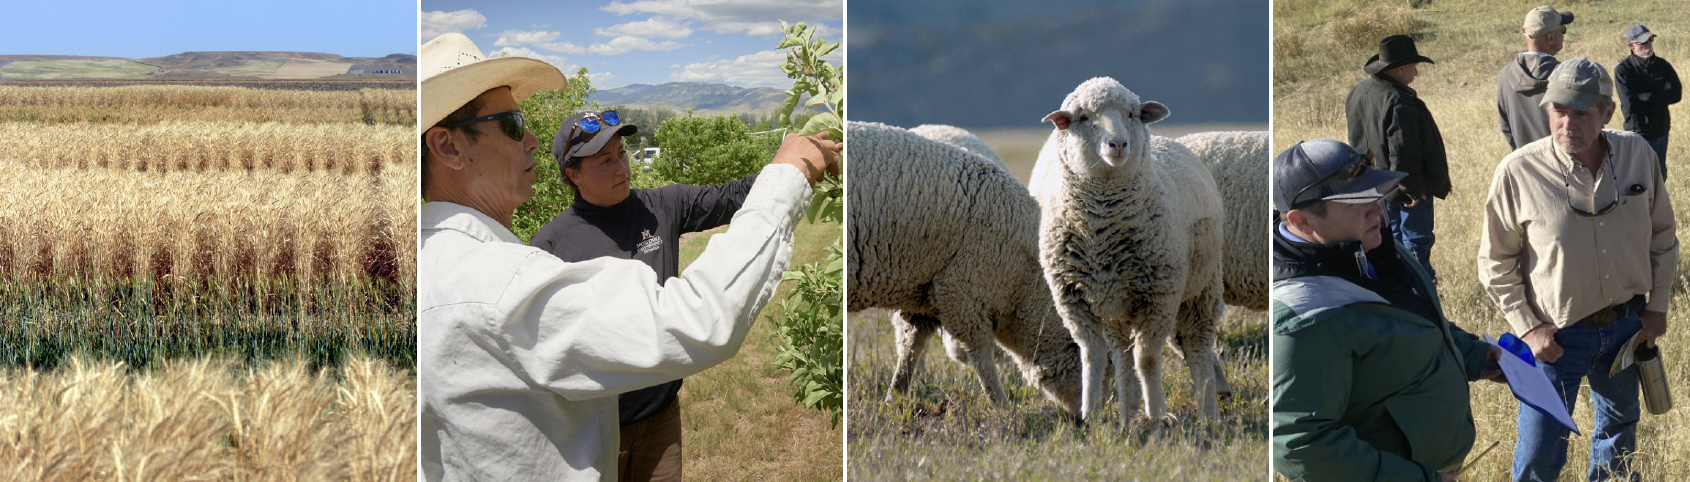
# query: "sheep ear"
1153,111
1060,118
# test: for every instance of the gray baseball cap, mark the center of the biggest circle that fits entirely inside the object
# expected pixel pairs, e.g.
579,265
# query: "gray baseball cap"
1578,84
1544,19
1637,33
1326,170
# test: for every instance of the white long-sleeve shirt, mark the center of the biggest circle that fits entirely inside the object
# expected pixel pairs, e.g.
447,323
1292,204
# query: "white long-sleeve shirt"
520,354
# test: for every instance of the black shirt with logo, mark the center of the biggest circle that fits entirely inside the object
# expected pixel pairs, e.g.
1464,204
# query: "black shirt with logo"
647,226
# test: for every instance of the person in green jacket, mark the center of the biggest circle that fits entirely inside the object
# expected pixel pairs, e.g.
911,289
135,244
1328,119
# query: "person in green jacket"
1369,379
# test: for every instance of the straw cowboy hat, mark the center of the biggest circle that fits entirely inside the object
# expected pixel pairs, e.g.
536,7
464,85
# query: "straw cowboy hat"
454,73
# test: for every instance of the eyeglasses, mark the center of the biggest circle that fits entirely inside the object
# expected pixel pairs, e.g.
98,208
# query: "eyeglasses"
1566,181
511,122
1354,169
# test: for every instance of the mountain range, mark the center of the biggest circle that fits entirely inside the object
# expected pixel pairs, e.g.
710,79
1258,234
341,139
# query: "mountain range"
210,65
701,98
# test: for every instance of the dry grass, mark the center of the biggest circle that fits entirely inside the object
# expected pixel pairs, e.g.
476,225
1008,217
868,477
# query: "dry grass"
206,419
1471,40
146,104
202,146
738,419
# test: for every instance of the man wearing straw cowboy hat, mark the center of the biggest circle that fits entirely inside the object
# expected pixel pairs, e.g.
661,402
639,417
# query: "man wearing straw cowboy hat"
1579,250
520,355
1520,86
1388,121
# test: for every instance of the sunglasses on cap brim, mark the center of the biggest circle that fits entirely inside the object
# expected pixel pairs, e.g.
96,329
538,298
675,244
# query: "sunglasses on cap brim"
511,122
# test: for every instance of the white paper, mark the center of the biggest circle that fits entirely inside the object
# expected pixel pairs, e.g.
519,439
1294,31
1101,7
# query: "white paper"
1532,387
1627,356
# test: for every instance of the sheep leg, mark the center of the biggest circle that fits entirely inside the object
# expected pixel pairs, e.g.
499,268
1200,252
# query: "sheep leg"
912,334
1196,341
1082,324
1126,382
1147,355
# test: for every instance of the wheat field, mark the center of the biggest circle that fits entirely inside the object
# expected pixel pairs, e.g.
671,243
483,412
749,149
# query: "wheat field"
207,282
1319,48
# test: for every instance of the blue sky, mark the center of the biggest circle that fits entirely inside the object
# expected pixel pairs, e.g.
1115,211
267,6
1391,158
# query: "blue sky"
625,42
155,28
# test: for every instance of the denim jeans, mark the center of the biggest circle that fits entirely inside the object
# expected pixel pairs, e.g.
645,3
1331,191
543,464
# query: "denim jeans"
1659,144
1413,228
1587,353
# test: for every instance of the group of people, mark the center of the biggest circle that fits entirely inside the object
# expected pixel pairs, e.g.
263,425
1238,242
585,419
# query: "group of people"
525,350
1578,250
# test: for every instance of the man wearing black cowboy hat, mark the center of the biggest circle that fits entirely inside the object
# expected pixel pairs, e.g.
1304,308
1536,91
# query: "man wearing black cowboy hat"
1523,80
609,219
1388,121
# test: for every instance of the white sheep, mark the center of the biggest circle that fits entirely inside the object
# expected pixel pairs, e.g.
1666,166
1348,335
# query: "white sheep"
1130,239
951,241
962,139
1238,160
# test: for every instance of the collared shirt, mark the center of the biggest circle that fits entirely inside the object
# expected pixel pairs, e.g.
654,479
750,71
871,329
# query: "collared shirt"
520,354
1543,263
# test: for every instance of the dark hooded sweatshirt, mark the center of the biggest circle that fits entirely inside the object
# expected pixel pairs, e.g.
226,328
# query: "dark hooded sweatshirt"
1518,90
646,226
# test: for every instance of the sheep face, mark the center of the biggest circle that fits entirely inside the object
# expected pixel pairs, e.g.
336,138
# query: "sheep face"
1106,123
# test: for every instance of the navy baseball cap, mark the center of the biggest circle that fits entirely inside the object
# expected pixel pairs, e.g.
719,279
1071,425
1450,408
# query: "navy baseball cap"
573,141
1326,170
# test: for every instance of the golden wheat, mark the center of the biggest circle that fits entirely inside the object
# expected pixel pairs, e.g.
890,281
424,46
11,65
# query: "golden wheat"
206,419
148,104
233,225
209,146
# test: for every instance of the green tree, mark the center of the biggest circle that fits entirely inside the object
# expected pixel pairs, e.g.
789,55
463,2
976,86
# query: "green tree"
710,150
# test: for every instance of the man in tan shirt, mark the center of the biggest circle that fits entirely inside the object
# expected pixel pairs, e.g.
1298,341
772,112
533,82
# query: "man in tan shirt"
1580,252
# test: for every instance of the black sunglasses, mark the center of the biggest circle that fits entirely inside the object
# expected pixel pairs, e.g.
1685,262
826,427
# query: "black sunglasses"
511,122
1614,182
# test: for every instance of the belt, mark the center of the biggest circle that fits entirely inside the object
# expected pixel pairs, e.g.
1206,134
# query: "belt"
1606,316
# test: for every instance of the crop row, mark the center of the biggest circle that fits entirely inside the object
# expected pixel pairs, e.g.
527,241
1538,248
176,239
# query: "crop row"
210,147
227,226
185,96
208,419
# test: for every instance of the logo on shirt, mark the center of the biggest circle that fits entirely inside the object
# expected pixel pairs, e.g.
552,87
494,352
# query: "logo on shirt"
648,242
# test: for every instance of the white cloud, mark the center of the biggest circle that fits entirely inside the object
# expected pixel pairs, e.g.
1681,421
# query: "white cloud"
649,28
761,69
563,48
514,38
752,17
625,43
437,23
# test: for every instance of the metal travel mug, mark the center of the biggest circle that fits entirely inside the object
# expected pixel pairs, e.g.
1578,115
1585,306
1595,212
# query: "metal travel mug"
1653,377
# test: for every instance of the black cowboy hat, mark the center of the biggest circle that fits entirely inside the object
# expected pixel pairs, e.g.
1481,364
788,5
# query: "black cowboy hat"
1394,51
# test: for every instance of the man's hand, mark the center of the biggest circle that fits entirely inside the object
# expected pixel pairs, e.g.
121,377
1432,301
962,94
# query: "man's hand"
1493,366
812,155
1654,325
1542,341
1643,96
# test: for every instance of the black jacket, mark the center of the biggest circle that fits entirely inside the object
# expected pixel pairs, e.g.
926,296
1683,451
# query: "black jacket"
646,227
1388,120
1633,78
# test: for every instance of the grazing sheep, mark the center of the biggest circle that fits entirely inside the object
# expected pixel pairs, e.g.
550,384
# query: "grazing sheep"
1239,162
962,139
1130,239
951,241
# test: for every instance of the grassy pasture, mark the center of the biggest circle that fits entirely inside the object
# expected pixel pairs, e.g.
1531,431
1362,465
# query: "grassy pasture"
70,69
1319,50
946,428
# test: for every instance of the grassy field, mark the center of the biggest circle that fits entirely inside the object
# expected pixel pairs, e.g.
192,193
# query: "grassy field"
739,421
70,69
199,297
308,103
947,429
1319,50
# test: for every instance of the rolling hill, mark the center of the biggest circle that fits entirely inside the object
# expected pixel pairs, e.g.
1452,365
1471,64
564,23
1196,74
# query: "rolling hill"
703,99
210,65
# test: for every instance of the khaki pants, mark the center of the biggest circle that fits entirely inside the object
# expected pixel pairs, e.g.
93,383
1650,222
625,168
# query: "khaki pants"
651,448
